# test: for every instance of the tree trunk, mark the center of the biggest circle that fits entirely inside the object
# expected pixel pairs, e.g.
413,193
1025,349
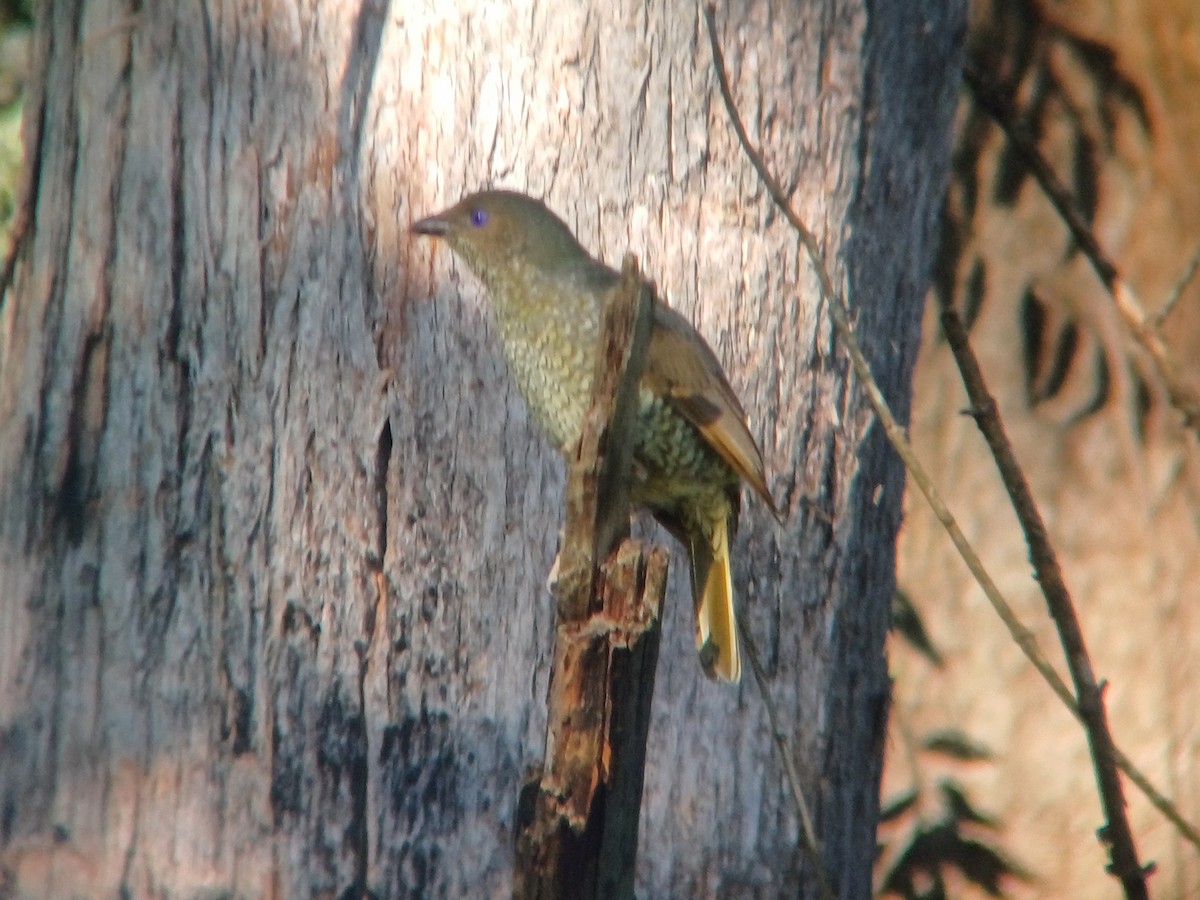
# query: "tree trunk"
268,500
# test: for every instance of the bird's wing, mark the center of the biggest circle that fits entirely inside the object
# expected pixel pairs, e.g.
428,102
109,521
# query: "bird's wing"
681,367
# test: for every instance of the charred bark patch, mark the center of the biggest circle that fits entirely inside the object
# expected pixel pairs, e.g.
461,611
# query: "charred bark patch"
383,461
420,768
89,408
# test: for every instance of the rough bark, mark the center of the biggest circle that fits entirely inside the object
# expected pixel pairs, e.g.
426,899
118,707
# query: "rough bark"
268,502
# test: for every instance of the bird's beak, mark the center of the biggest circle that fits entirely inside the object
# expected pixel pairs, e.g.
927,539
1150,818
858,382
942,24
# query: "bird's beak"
434,226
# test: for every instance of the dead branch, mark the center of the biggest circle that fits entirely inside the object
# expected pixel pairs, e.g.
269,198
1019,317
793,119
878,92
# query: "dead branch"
1090,704
577,823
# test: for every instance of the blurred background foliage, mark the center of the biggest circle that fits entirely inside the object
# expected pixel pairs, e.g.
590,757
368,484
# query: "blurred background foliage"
942,832
16,19
933,827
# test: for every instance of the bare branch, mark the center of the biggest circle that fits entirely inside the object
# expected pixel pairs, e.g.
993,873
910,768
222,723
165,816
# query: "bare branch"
1090,706
1177,290
577,826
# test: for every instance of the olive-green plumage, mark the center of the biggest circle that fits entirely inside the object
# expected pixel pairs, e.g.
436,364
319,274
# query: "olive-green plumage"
693,447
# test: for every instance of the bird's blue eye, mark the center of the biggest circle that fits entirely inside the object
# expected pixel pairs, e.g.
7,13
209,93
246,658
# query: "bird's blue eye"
479,217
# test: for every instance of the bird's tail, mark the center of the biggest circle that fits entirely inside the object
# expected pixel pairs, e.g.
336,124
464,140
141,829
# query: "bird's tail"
712,592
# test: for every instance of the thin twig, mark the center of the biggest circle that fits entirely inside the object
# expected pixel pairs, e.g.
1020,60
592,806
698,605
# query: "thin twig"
1180,286
808,834
1182,394
1048,573
808,840
838,313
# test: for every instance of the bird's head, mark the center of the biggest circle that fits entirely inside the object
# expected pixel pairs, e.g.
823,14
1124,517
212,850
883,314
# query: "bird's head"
497,233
